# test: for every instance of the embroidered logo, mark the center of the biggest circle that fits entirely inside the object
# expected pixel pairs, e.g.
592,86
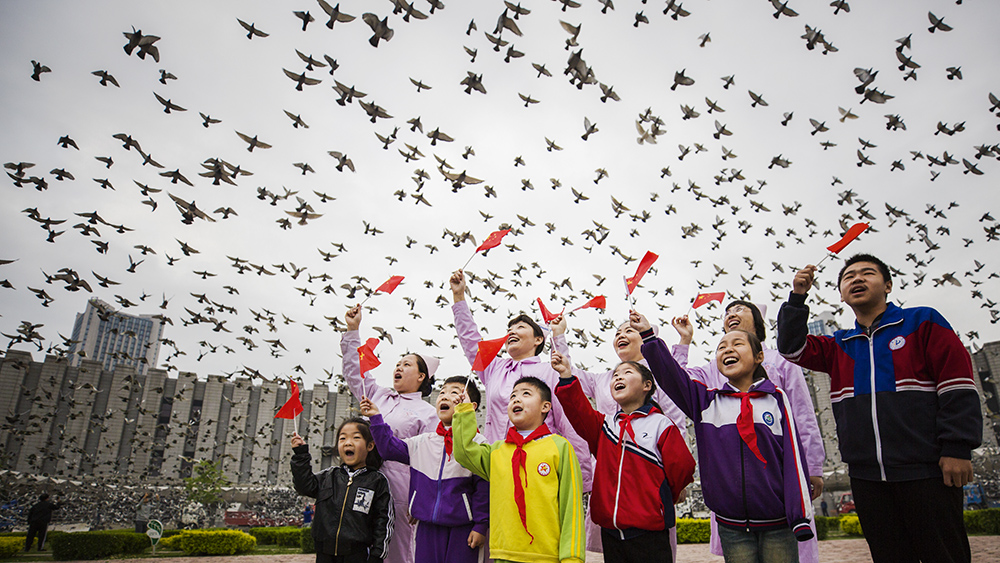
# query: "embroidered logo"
768,418
363,500
544,469
897,343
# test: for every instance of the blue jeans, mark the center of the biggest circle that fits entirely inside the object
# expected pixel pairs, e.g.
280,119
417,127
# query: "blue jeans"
773,546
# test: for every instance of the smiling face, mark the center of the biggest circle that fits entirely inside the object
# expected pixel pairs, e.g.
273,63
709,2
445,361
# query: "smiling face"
352,446
449,397
526,407
628,388
863,286
521,341
407,376
736,358
738,317
628,343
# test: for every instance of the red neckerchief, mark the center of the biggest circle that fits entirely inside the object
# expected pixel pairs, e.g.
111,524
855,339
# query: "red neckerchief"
744,422
446,432
518,462
625,425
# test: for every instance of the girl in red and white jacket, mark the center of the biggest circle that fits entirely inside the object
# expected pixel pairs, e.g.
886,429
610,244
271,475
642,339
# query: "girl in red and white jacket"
642,465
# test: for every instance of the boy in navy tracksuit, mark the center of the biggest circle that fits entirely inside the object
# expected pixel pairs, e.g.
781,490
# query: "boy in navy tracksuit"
907,410
450,504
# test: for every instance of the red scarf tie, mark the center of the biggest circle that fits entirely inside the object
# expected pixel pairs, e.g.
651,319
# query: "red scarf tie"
625,426
446,432
519,462
744,422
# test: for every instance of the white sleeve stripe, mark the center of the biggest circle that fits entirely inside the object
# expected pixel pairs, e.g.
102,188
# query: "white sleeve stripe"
795,355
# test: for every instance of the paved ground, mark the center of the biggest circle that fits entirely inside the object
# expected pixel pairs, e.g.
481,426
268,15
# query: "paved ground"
985,549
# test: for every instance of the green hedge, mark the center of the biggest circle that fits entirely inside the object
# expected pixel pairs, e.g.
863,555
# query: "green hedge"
9,547
98,545
169,543
223,542
286,536
693,530
850,525
983,521
824,524
306,541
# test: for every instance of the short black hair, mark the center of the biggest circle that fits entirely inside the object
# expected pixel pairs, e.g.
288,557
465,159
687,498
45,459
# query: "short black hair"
882,267
523,318
543,388
470,387
426,386
758,319
374,459
45,496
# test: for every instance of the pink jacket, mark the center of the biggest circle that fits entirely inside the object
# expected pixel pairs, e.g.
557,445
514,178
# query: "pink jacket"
789,378
499,378
408,414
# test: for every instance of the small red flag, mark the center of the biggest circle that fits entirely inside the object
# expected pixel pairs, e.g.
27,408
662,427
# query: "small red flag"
488,350
644,264
599,302
851,234
293,406
366,356
493,240
547,315
704,298
390,284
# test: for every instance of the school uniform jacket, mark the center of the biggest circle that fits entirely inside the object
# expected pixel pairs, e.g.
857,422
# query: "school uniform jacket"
552,489
498,380
442,492
636,481
744,492
903,396
353,513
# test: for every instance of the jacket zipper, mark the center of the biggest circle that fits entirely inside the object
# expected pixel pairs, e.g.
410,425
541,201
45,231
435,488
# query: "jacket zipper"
743,477
618,488
437,496
878,437
340,524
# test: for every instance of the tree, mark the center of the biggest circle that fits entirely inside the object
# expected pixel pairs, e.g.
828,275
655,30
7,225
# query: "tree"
205,485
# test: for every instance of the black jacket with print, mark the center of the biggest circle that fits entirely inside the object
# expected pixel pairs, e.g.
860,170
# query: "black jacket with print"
352,512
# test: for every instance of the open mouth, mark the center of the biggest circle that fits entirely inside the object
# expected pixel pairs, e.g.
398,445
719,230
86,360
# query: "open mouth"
857,290
622,343
619,386
517,410
730,361
444,407
397,376
732,323
348,452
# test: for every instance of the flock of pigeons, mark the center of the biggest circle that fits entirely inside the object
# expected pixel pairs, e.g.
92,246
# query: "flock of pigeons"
274,266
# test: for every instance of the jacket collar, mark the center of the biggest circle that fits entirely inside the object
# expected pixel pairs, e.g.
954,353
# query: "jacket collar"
762,385
892,315
646,410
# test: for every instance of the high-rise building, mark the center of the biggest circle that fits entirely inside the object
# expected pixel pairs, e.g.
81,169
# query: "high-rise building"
823,324
114,338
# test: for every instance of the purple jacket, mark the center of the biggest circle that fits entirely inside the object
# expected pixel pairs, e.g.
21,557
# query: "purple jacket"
498,378
442,492
743,492
408,414
789,378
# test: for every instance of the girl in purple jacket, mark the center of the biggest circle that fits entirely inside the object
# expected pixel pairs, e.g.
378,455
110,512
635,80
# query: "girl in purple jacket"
752,465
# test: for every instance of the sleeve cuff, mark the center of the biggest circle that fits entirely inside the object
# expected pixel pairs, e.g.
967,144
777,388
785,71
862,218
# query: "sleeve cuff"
464,407
299,450
802,531
563,381
956,450
648,335
797,299
481,527
376,419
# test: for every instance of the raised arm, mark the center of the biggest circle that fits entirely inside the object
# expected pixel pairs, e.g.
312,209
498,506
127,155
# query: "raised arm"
468,453
581,415
389,446
690,396
465,325
349,343
305,481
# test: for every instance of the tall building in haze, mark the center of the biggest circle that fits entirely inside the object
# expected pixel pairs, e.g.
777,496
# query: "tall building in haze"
115,339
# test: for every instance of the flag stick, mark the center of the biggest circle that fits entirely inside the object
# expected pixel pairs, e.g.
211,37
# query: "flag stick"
823,260
628,294
469,260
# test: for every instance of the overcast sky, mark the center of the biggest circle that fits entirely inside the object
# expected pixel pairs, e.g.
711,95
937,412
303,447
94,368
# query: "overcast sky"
241,82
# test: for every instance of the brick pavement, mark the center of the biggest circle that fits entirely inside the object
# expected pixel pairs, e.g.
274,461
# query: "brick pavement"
985,549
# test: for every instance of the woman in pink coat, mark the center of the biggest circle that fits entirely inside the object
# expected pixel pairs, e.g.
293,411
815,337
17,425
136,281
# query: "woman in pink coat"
403,408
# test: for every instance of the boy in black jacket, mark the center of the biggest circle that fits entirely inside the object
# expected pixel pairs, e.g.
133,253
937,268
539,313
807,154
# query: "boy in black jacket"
39,517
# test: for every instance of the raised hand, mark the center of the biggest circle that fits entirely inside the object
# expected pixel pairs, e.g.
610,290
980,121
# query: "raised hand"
457,282
803,280
297,440
560,363
353,318
638,321
558,325
684,329
367,407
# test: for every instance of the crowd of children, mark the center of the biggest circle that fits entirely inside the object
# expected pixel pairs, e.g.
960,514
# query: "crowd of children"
560,446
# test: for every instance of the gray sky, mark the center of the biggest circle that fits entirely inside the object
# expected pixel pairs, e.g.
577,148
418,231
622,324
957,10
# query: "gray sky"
223,74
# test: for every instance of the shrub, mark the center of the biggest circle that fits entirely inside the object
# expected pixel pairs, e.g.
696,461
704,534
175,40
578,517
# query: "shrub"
691,530
10,546
306,541
98,545
850,525
983,521
169,543
221,542
824,524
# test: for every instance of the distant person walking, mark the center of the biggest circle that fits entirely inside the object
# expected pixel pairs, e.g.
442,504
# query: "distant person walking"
39,517
307,516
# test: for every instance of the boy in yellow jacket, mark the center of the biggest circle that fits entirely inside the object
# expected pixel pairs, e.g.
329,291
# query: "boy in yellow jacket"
546,525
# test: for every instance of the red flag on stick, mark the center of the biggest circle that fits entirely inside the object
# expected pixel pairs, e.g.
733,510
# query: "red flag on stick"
599,302
488,350
644,264
547,315
704,298
851,234
493,240
293,406
366,356
390,284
